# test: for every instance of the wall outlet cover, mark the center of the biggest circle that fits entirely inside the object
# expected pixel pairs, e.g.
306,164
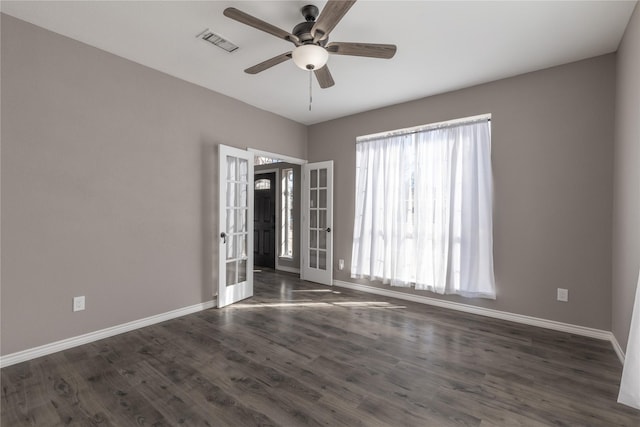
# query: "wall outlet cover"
563,295
78,303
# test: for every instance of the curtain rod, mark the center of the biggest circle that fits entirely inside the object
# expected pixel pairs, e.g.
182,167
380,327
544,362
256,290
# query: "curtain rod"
423,128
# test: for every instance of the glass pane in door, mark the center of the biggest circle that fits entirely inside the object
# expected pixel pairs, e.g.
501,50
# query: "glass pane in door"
322,219
231,273
242,194
313,197
313,241
313,218
242,270
322,260
242,220
323,178
322,199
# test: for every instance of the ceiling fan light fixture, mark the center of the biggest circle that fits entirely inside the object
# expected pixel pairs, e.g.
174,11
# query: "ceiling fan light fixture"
310,56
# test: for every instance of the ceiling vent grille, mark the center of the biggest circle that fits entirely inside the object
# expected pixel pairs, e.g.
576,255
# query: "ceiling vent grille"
217,40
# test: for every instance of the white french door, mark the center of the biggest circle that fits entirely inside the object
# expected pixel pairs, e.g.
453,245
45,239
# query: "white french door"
317,221
235,226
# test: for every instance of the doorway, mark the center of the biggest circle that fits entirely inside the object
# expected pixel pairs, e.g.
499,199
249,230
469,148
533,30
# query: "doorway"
287,202
264,220
279,232
303,242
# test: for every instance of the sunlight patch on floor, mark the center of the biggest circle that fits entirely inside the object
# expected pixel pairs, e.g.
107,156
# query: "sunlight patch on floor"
368,304
316,290
297,304
282,304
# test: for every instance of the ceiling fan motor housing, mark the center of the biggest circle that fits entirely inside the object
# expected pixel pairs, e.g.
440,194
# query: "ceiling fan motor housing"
303,32
310,12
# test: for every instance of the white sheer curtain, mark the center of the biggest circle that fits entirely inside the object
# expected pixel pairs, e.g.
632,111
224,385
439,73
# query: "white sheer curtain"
630,384
423,213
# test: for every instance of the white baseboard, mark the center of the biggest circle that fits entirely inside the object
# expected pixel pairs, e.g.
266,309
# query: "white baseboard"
288,269
43,350
32,353
617,348
512,317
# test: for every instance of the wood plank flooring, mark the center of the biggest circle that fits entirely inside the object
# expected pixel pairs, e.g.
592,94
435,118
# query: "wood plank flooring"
301,354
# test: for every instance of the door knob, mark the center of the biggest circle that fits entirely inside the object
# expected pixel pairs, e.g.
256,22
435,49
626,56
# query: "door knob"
328,230
223,235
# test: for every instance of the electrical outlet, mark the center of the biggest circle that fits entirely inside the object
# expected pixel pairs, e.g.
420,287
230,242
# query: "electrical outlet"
563,295
340,264
78,303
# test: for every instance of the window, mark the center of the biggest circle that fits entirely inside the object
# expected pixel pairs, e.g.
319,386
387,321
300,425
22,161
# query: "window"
262,184
423,214
262,160
286,231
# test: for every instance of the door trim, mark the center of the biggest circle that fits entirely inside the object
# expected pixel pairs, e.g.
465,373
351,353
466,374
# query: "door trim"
285,158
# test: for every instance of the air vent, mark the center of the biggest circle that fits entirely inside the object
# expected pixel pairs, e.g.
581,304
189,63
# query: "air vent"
217,40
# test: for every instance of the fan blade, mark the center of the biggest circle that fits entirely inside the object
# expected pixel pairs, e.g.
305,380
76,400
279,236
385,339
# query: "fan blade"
371,50
331,14
268,63
324,77
252,21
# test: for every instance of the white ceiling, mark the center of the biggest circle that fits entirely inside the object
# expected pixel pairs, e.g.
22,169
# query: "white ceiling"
442,46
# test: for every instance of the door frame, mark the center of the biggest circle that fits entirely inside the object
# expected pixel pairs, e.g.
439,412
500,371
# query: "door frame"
295,161
288,159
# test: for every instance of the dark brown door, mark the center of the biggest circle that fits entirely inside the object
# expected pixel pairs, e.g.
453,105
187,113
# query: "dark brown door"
264,220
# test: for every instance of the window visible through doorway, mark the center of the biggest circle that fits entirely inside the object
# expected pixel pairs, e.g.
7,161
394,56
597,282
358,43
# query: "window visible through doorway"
286,206
263,184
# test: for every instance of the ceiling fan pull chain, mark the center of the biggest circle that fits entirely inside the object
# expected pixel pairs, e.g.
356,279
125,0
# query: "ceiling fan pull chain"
310,97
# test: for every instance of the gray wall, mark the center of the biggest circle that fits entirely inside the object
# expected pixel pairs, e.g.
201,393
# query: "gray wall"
552,155
108,167
293,262
626,208
107,172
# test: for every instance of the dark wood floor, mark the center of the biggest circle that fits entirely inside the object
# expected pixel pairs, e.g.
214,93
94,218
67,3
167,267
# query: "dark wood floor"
302,354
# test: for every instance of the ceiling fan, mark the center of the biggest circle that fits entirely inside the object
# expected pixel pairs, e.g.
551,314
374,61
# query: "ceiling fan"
311,39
